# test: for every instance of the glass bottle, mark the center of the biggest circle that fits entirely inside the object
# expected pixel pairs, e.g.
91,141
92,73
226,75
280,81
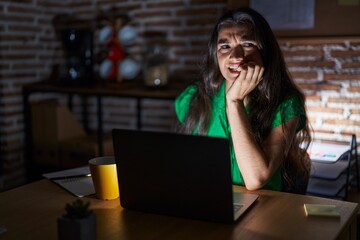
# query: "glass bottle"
156,58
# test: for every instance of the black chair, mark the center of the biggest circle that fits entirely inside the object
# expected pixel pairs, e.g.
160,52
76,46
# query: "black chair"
298,181
299,185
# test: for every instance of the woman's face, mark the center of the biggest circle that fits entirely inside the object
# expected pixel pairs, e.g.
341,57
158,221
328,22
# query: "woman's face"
236,47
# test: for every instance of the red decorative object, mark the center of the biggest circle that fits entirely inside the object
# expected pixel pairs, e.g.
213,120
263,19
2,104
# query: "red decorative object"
113,50
116,54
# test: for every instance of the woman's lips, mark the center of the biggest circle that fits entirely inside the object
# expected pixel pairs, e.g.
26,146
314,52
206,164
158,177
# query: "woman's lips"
233,74
234,69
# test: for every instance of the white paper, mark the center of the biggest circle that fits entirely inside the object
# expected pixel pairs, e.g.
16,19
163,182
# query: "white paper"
286,14
79,186
326,152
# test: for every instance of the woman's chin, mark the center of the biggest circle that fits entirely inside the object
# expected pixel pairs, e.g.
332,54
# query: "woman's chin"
230,79
233,75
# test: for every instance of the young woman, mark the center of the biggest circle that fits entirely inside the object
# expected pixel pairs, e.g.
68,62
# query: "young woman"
247,96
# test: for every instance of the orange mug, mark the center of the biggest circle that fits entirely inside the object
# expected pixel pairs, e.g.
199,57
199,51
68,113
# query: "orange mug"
104,176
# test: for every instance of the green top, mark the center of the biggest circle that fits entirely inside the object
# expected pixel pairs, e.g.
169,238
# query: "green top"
219,126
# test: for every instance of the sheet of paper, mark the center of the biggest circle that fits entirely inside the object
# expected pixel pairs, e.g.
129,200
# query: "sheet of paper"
79,186
324,152
321,210
289,14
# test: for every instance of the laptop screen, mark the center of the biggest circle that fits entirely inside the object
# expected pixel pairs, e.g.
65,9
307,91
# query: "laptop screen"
174,174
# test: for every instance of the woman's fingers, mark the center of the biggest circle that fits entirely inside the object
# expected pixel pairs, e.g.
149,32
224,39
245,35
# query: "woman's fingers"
261,72
243,73
254,73
250,76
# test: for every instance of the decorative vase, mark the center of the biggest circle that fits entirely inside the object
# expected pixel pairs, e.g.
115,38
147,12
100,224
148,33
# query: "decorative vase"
156,60
79,229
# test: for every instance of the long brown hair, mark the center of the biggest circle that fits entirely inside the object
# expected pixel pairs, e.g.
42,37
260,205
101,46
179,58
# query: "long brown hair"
276,86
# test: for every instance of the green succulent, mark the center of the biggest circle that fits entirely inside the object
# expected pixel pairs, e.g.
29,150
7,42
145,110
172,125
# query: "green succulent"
77,209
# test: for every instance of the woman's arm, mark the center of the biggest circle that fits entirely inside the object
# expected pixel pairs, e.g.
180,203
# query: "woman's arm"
257,164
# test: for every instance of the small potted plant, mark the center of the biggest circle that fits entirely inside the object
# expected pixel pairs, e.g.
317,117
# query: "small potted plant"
78,222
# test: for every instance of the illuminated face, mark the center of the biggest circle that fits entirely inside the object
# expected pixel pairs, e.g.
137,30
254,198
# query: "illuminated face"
236,47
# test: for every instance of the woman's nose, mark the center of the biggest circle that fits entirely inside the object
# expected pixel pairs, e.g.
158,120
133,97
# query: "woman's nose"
238,52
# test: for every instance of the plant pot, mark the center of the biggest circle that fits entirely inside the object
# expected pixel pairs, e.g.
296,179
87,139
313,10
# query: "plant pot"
79,229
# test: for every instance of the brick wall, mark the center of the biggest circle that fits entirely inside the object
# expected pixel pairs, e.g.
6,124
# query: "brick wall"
27,51
328,70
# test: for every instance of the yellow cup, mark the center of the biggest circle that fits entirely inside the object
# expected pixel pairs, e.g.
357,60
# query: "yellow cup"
104,176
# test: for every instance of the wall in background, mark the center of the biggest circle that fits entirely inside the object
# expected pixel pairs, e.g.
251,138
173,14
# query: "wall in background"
27,53
29,49
328,70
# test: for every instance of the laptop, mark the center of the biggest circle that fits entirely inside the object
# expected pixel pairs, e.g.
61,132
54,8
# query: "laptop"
178,175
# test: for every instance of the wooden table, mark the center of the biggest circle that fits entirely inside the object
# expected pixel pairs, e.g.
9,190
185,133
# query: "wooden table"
30,212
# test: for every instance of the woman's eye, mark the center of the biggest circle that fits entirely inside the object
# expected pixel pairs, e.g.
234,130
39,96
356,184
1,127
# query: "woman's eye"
248,45
224,46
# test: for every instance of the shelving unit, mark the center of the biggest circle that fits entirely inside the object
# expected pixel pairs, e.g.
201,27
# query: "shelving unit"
333,172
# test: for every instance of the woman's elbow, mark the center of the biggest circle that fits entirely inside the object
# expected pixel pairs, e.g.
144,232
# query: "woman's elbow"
254,184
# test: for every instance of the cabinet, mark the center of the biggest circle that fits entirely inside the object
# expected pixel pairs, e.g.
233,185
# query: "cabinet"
133,90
